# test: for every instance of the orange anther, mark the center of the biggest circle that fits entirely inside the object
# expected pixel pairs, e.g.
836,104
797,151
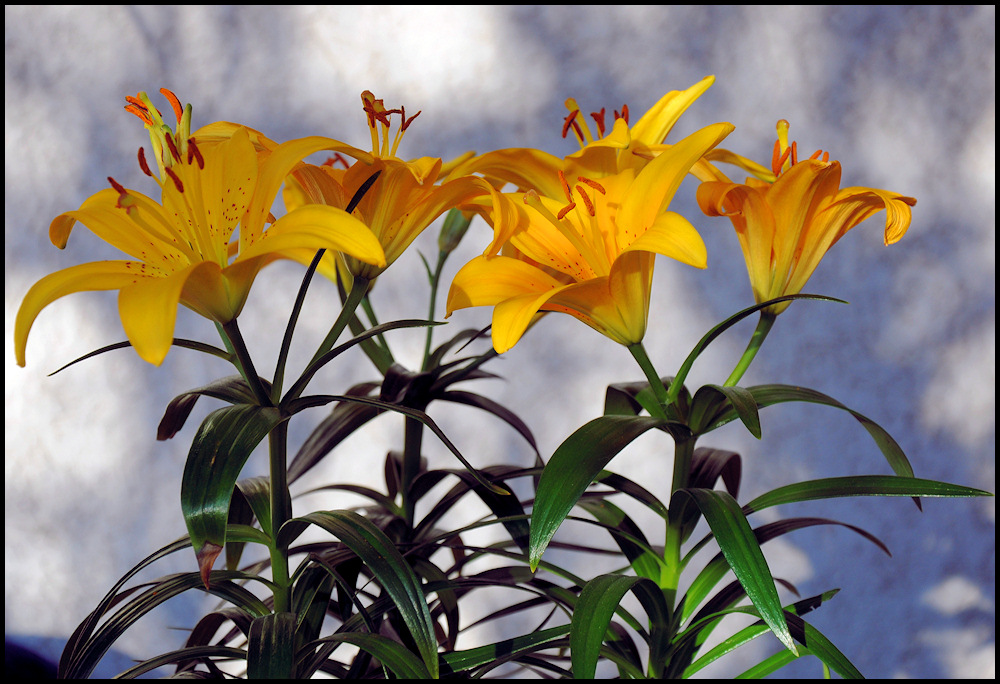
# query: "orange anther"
337,157
142,163
592,183
174,102
140,111
565,210
586,201
565,187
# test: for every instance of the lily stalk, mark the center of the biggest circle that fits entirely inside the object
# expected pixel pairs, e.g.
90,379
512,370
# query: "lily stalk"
756,340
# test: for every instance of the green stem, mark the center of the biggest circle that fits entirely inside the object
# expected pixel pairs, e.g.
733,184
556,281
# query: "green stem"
756,340
358,290
413,437
281,512
244,363
435,281
286,341
655,384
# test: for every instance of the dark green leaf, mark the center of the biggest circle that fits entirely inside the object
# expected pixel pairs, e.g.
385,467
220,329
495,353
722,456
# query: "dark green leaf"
740,399
224,442
233,389
392,571
572,468
271,647
742,552
390,653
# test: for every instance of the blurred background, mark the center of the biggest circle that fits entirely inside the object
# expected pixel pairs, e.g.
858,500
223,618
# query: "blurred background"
904,97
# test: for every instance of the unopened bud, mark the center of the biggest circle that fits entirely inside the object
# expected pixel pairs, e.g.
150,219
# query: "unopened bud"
455,225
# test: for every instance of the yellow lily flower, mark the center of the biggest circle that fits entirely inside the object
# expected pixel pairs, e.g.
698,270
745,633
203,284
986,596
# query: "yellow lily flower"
181,247
402,202
593,258
786,226
608,152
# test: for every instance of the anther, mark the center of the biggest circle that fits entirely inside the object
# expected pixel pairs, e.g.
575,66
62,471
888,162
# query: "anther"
565,187
592,183
623,114
586,201
193,151
174,102
337,157
119,188
565,210
174,178
407,122
135,106
173,147
142,163
571,121
598,118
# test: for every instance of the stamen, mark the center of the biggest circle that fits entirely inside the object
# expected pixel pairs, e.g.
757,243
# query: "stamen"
407,122
196,153
795,153
174,102
174,178
778,161
565,210
139,109
337,157
623,114
142,163
173,147
119,188
598,118
571,121
565,186
592,183
586,201
122,202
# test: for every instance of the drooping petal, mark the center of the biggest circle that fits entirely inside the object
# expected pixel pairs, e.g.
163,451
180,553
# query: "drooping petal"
618,313
148,309
98,275
673,236
658,121
317,226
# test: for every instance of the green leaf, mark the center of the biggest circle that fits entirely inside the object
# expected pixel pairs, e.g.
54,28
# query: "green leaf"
572,468
629,537
390,653
461,661
739,545
859,485
739,398
224,441
271,647
597,604
392,571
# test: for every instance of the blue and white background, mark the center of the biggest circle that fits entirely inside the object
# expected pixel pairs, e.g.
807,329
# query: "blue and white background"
904,97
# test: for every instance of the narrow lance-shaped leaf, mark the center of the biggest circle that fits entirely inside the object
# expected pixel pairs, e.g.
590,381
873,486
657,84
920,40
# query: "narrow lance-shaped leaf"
391,570
271,647
224,441
740,547
572,468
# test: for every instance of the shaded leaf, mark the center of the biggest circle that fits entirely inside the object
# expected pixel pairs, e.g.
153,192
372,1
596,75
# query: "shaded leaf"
271,647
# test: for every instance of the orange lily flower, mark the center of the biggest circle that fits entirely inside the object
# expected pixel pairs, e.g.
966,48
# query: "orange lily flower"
591,258
786,226
181,247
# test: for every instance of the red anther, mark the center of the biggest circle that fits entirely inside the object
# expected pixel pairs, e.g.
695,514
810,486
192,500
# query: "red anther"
592,183
173,146
337,157
407,122
565,210
142,163
174,102
795,153
586,201
140,111
598,118
570,121
565,187
193,151
623,114
119,188
174,178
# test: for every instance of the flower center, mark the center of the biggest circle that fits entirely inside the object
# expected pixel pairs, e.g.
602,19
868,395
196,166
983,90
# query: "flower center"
379,123
170,147
579,126
785,156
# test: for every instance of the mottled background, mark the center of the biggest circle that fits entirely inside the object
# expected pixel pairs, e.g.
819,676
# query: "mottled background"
903,96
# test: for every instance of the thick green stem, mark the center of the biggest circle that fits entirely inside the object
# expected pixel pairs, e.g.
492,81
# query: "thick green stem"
655,384
435,280
281,512
413,437
235,341
756,340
